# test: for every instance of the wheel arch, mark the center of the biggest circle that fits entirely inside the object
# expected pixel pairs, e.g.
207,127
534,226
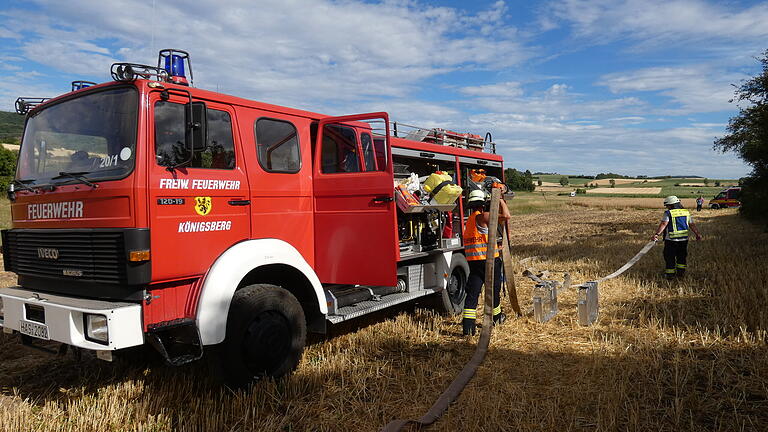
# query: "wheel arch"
295,282
270,261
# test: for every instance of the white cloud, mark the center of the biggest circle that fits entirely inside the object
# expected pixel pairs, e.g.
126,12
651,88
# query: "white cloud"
8,34
329,52
502,89
694,89
663,22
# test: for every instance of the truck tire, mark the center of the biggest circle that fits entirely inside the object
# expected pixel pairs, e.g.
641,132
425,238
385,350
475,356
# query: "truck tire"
714,207
451,299
266,333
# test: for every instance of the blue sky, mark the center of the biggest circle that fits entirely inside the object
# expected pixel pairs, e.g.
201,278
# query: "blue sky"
627,86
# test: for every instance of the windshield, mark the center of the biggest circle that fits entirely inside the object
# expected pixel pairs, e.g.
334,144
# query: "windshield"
93,136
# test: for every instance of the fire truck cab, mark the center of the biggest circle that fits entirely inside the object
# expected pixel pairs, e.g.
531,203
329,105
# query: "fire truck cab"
149,212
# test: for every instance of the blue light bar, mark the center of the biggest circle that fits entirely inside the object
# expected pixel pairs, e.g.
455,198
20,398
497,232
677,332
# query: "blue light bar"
172,61
174,65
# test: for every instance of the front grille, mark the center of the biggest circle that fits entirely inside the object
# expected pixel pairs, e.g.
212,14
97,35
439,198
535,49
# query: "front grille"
83,255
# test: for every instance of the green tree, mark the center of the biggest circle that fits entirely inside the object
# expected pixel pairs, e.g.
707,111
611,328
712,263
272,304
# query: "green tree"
717,183
613,183
519,181
748,137
564,181
7,167
539,182
706,181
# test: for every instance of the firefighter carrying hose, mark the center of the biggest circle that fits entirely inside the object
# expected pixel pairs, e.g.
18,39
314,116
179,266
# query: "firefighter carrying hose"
675,224
475,247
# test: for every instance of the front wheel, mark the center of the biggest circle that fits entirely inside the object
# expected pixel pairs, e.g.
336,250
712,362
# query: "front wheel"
714,207
266,333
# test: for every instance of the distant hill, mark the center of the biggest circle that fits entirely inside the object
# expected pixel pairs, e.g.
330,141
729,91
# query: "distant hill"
11,127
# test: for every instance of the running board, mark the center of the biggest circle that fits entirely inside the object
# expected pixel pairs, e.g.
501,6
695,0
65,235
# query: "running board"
368,306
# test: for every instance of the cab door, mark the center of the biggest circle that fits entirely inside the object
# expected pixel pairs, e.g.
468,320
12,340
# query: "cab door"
200,208
355,220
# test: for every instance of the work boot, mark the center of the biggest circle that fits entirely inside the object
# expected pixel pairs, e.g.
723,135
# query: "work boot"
469,326
499,318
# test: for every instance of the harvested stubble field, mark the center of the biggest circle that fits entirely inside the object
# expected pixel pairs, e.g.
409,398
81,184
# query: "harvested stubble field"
686,355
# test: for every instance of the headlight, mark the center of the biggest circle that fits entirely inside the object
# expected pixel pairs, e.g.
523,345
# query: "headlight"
96,328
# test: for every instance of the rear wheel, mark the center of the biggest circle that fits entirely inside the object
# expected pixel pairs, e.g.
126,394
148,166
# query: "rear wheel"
451,299
714,206
266,333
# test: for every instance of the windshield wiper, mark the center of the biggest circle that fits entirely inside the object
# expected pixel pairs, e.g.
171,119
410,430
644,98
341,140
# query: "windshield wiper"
77,175
22,184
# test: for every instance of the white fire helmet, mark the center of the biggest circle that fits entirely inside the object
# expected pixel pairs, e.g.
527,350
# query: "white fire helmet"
477,195
670,200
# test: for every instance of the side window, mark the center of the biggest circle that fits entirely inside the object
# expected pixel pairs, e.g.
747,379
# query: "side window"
339,152
381,153
220,153
169,138
277,145
368,154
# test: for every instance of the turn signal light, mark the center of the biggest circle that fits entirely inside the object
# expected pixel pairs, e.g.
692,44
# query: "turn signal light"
138,255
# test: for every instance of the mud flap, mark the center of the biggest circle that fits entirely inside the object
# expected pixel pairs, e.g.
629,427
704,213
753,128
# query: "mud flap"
178,341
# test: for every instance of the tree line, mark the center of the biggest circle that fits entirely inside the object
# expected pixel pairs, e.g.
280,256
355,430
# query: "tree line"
518,180
748,137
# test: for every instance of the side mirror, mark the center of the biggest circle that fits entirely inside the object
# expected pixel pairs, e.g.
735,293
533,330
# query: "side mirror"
195,116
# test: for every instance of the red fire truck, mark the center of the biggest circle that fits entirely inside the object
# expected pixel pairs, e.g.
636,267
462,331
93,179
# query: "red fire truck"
149,212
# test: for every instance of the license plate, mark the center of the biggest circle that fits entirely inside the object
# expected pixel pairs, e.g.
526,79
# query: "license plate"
36,330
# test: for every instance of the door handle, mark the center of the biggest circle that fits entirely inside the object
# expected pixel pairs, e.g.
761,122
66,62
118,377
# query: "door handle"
239,202
383,199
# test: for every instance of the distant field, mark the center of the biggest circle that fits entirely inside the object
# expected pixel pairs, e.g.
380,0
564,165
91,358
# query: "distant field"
603,182
686,187
626,190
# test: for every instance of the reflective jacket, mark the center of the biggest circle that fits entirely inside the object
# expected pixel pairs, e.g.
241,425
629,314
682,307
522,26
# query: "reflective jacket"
475,242
679,220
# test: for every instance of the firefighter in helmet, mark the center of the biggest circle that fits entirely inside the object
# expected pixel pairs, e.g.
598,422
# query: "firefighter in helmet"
476,238
675,224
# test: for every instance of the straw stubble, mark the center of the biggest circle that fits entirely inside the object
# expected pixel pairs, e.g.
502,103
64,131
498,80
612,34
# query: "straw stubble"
685,355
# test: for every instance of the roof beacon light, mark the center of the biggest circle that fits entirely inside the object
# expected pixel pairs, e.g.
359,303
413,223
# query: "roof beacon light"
172,60
79,85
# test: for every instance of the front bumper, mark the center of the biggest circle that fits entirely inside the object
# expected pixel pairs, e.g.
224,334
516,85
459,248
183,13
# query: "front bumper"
64,318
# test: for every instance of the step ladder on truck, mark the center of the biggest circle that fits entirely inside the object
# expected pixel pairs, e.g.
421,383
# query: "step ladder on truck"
146,211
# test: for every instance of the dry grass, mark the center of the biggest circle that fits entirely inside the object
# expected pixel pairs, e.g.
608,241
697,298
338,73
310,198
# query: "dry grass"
626,190
688,355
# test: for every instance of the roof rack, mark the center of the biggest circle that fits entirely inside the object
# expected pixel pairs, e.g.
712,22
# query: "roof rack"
441,136
27,104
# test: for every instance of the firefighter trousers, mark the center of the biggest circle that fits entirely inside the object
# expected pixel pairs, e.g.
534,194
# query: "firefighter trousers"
675,257
475,283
